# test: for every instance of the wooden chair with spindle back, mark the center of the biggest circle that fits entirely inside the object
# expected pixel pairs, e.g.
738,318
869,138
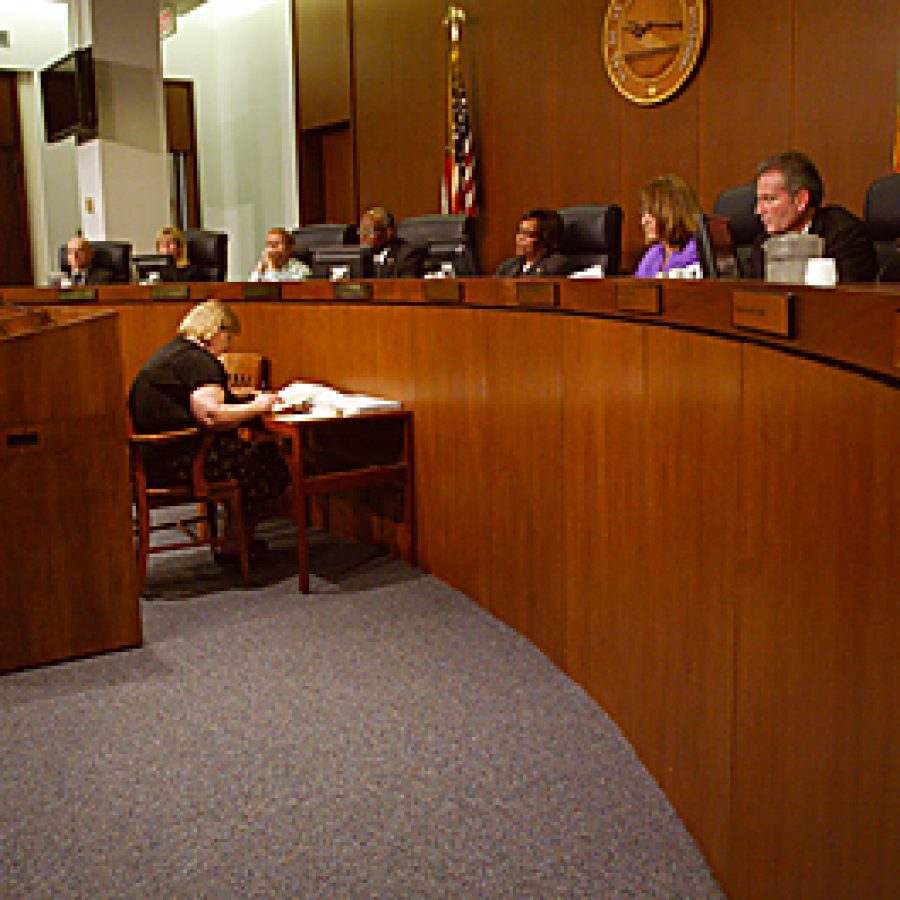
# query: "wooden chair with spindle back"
207,495
247,372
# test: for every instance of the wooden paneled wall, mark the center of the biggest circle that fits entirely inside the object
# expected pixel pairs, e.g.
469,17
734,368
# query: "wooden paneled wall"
322,37
15,244
324,92
816,75
701,531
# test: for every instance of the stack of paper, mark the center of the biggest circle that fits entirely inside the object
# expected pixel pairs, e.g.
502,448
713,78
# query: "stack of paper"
352,404
317,399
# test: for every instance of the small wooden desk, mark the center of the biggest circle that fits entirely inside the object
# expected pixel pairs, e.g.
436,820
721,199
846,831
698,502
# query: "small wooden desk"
301,428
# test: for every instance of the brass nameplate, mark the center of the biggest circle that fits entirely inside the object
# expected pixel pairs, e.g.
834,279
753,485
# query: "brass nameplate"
352,290
77,293
442,290
639,298
767,312
170,292
262,290
537,293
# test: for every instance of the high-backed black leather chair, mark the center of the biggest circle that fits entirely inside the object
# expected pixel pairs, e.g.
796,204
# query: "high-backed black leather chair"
592,236
882,214
326,234
738,205
715,247
113,256
447,239
208,254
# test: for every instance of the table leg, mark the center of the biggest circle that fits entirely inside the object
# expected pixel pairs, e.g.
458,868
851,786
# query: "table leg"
409,520
300,516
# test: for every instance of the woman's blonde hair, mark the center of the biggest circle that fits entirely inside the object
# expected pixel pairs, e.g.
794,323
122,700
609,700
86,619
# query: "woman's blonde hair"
181,257
674,205
204,321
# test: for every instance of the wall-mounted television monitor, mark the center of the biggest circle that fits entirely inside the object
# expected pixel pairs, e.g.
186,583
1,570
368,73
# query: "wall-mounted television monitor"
70,102
338,262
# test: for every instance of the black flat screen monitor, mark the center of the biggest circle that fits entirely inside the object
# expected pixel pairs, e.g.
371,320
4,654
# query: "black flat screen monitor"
149,265
715,246
338,262
70,104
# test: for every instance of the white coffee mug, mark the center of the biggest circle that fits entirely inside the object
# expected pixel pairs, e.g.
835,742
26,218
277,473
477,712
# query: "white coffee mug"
821,271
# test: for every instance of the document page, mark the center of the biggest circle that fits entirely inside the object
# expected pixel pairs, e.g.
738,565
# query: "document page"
320,400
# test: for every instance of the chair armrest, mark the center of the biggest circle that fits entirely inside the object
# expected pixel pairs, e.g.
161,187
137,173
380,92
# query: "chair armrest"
137,443
198,465
163,437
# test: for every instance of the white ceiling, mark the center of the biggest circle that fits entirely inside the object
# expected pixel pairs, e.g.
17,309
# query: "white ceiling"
182,6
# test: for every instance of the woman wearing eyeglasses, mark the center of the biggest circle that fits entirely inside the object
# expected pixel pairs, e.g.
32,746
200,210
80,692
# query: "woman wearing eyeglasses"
538,238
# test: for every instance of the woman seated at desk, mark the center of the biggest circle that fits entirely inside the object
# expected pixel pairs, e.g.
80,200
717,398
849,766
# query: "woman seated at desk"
184,385
670,216
171,242
538,237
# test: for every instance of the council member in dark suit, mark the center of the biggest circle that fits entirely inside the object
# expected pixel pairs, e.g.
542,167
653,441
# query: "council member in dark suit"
80,257
789,191
393,257
538,238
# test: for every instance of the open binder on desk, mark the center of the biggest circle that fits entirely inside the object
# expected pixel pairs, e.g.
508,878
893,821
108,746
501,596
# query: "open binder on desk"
321,400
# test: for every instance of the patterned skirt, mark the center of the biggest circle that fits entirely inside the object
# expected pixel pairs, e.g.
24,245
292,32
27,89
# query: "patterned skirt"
256,465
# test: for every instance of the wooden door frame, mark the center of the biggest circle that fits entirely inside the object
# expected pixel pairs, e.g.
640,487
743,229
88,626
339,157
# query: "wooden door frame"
21,186
195,208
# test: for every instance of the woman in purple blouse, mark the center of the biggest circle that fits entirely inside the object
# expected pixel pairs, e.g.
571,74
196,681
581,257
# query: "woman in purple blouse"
670,214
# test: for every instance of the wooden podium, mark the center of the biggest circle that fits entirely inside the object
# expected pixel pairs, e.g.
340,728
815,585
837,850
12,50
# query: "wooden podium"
67,579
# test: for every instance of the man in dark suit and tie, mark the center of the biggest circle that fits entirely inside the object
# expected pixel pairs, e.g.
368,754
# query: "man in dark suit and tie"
393,257
789,192
80,257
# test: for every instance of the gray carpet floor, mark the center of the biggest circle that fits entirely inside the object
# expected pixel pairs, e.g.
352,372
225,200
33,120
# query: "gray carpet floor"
381,737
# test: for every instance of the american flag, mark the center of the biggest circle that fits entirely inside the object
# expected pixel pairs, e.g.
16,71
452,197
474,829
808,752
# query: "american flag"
458,186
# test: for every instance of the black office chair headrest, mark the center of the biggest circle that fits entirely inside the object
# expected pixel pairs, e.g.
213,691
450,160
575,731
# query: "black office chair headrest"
206,248
207,253
883,208
438,229
113,256
738,205
589,228
593,234
324,234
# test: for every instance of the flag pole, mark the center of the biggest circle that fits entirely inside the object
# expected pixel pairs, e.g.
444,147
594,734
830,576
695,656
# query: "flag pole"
454,18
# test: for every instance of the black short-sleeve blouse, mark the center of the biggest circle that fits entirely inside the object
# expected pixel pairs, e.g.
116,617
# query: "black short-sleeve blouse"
160,397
